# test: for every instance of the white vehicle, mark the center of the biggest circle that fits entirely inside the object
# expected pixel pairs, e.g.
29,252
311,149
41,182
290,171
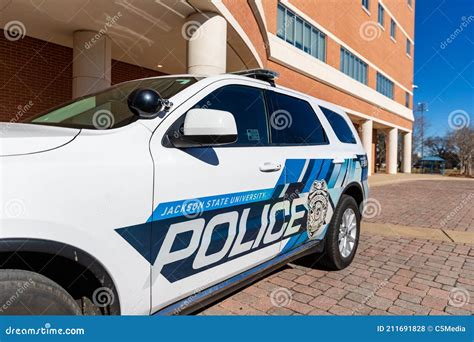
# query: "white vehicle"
160,195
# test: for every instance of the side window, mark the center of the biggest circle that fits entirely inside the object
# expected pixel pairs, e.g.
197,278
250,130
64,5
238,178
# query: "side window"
247,104
339,126
293,122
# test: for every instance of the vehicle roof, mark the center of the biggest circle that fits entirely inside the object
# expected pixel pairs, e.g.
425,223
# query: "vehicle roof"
318,101
230,76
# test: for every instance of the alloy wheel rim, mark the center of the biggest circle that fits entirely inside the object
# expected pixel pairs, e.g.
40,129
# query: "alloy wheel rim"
347,232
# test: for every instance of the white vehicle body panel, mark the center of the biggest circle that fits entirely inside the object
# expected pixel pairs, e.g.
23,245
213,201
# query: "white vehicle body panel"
104,192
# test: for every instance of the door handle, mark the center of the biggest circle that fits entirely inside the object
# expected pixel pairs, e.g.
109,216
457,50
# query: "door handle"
338,160
270,167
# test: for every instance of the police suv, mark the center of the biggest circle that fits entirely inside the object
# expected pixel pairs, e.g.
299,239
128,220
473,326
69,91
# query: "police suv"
160,195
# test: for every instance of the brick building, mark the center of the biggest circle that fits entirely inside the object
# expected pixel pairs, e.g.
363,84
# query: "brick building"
357,54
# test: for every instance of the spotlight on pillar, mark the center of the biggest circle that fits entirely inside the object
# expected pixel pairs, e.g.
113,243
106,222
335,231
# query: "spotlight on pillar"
145,103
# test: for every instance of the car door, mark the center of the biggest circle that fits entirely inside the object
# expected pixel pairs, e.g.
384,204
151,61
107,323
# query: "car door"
314,168
211,205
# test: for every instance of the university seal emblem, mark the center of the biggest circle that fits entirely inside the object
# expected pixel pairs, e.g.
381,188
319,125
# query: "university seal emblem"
318,201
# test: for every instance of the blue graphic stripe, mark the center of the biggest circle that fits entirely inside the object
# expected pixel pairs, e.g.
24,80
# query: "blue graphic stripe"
342,174
318,163
293,169
327,164
203,204
351,170
334,176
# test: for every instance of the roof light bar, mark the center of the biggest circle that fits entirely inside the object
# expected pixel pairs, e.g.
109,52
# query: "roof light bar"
259,74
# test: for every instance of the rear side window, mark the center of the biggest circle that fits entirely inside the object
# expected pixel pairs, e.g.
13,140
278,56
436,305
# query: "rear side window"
247,104
339,126
293,121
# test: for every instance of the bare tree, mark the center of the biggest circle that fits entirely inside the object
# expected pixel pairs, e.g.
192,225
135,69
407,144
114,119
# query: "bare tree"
442,147
463,142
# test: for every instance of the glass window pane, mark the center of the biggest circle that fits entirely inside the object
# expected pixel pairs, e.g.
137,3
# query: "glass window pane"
281,22
314,43
340,126
307,38
290,27
322,47
305,128
356,69
380,15
249,112
341,60
348,63
299,33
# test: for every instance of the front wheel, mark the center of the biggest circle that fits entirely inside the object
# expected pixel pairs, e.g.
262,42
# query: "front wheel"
29,293
342,237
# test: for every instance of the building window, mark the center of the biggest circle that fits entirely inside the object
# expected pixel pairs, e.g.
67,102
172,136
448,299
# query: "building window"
393,28
407,99
365,4
300,33
381,15
384,85
408,47
353,66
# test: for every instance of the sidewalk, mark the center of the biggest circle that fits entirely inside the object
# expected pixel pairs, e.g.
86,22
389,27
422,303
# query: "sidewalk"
415,257
378,179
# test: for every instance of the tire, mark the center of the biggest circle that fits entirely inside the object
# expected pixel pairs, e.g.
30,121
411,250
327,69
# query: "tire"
29,293
333,258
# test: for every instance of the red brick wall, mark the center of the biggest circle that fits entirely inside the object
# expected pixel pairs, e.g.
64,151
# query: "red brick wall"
122,72
36,75
33,70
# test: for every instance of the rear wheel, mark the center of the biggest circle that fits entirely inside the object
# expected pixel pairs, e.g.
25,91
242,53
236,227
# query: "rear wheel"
342,237
29,293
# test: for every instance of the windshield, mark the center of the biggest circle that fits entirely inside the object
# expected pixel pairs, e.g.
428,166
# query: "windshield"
108,108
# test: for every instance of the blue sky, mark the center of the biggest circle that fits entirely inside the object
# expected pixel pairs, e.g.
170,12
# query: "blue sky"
444,71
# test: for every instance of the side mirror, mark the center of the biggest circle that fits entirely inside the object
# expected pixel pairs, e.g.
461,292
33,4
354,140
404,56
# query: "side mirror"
206,127
145,103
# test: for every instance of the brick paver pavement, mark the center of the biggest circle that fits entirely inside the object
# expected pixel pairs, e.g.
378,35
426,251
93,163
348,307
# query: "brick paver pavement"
389,275
430,204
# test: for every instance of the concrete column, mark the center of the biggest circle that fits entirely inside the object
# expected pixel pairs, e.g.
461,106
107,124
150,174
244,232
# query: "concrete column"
392,150
367,128
407,152
207,43
92,52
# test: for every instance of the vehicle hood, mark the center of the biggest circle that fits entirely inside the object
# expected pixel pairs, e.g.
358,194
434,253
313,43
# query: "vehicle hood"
18,139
